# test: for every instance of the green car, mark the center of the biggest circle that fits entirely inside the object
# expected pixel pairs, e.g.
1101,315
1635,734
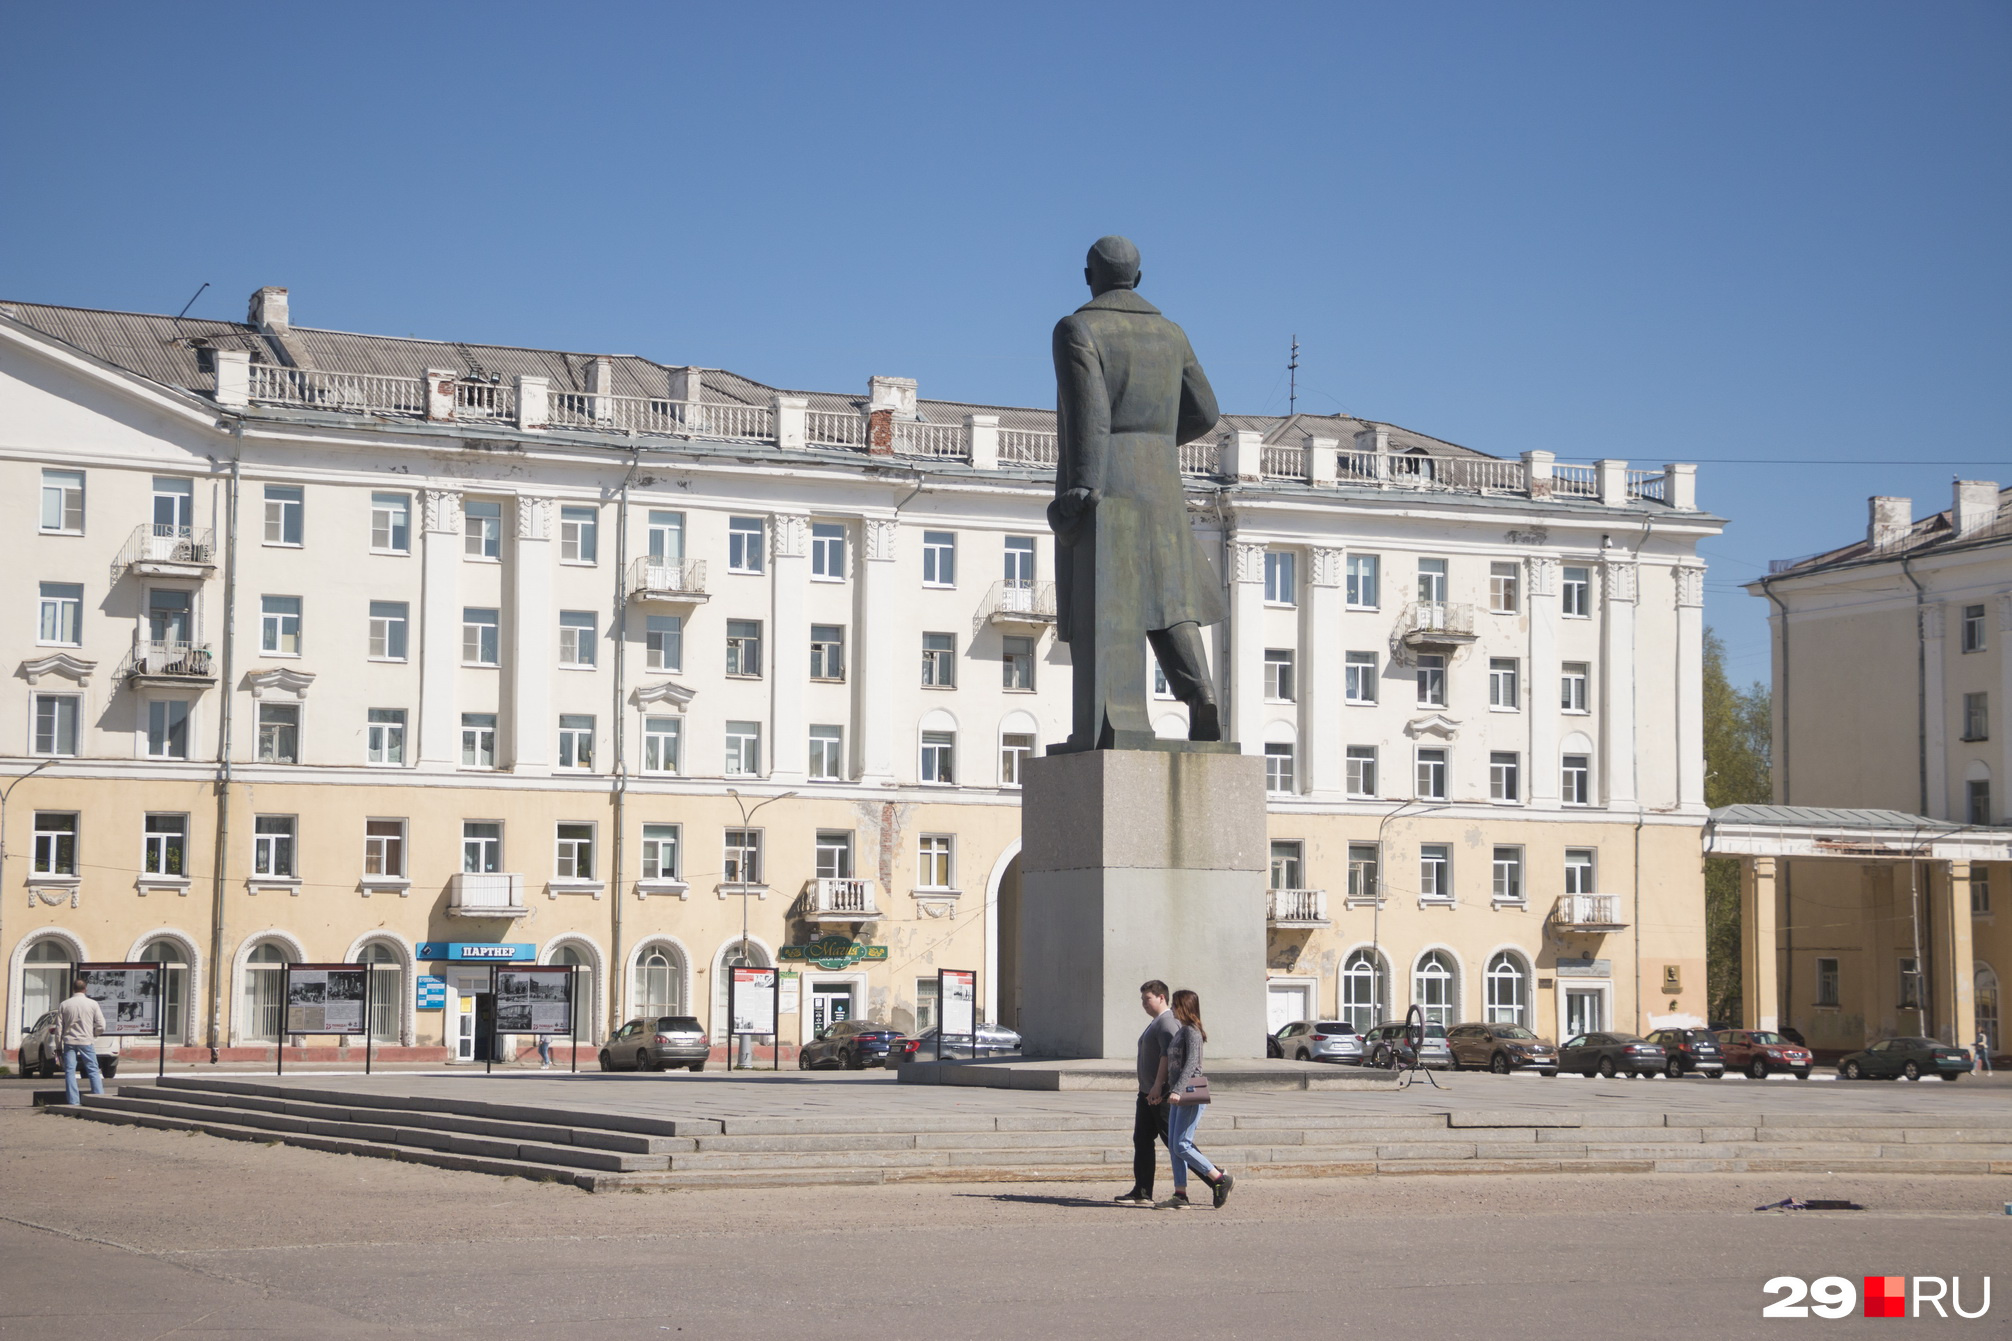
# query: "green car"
1909,1057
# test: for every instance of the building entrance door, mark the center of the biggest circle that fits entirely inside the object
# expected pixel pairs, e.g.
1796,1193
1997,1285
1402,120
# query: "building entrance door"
1283,1005
1584,1010
464,1028
829,1003
483,1020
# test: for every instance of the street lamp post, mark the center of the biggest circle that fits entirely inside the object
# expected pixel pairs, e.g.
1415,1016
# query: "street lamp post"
1376,910
739,958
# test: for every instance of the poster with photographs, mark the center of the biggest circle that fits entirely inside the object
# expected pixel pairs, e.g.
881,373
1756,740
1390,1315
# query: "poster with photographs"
326,998
129,994
753,997
534,1000
957,994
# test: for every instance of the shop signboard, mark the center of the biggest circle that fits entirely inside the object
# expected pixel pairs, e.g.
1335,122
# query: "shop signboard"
832,952
429,992
128,994
956,1009
474,952
534,1000
790,1001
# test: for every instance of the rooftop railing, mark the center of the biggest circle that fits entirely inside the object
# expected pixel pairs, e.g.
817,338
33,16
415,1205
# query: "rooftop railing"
1028,447
950,442
354,393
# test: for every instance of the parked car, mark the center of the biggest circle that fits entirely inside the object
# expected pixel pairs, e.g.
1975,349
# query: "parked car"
1690,1051
1759,1052
1608,1054
1501,1048
1319,1041
41,1055
657,1043
852,1044
994,1040
1271,1046
1386,1046
1910,1057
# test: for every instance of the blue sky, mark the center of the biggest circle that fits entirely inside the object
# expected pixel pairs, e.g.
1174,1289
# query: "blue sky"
1711,232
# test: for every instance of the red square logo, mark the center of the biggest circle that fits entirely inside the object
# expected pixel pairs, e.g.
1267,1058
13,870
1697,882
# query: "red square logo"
1886,1296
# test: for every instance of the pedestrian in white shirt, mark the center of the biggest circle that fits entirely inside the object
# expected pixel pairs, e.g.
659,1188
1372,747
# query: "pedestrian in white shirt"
79,1022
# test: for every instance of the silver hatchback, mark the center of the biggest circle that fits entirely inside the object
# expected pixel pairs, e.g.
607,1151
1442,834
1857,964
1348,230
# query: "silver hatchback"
1319,1041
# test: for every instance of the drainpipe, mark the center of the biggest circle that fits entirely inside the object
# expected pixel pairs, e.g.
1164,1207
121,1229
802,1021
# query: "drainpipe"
620,782
1920,684
1779,767
221,858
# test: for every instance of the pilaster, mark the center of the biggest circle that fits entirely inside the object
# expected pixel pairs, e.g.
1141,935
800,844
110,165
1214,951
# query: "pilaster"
1320,673
1955,958
439,627
1247,644
1760,918
532,635
789,646
875,652
1937,802
1690,706
1619,582
1540,706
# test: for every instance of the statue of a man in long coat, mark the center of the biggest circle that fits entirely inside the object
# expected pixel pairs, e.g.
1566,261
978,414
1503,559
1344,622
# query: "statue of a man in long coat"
1128,568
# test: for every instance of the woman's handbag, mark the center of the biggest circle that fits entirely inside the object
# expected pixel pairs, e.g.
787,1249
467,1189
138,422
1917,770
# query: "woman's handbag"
1197,1093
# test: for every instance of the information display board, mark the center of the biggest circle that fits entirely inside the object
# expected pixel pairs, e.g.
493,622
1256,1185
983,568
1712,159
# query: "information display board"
751,1003
534,1000
129,994
956,1010
324,999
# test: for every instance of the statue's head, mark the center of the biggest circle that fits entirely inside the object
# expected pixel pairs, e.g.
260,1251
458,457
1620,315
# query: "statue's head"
1113,264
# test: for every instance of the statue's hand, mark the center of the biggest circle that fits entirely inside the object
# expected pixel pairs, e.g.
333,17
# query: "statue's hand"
1073,503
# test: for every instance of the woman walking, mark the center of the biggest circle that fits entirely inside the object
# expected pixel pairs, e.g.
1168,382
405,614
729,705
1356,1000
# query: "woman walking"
1187,1096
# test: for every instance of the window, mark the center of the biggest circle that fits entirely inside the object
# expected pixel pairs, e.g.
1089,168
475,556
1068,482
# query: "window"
1576,781
1016,663
272,846
1358,677
743,749
384,847
667,537
479,630
481,530
744,647
1014,749
1364,581
1505,776
1973,618
1577,593
576,740
1435,873
1976,712
1980,889
63,500
386,730
174,506
664,642
1572,687
55,842
1362,991
1363,886
933,869
279,626
391,523
1505,585
660,744
1826,982
1579,870
1434,987
832,856
827,551
827,652
389,623
1361,770
743,857
1278,677
1432,583
1288,865
1504,679
478,740
576,637
939,559
168,729
827,754
1508,990
279,733
1508,875
660,851
283,509
939,756
56,718
1432,774
481,847
579,535
744,544
166,845
1279,586
1978,793
1431,680
1019,562
925,1005
573,852
939,660
1278,770
62,614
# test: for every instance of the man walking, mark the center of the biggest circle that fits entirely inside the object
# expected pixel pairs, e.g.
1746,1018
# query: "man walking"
79,1022
1149,1119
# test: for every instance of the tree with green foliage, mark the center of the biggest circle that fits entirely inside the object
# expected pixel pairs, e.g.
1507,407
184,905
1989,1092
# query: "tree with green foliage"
1739,759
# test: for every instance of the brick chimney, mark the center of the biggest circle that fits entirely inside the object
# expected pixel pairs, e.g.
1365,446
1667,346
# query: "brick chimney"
268,311
1889,521
1976,506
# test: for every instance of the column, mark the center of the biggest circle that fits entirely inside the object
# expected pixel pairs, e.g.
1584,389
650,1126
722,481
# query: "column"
1955,957
1760,997
533,637
439,628
789,646
1540,707
1937,804
1690,685
1320,674
1617,697
1247,644
876,653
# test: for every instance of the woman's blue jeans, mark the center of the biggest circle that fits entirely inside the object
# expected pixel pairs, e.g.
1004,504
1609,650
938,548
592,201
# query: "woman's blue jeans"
1182,1119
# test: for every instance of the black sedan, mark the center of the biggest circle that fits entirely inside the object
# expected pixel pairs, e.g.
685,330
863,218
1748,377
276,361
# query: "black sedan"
1690,1052
1608,1054
852,1044
1909,1057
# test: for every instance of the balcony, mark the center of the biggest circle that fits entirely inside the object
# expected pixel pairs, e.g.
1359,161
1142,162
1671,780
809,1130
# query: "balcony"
167,551
1296,907
169,665
1595,913
1021,604
830,900
672,581
486,894
1436,624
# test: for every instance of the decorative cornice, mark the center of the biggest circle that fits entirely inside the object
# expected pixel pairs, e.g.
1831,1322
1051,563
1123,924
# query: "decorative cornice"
664,691
282,678
1623,579
1690,585
880,538
1437,725
60,664
1326,567
1543,574
534,517
1247,560
790,532
442,510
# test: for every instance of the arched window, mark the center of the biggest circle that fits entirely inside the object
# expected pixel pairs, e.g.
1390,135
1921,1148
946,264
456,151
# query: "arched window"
659,981
264,1008
734,954
1362,991
1987,1006
174,986
585,1000
387,991
43,988
1435,986
1508,990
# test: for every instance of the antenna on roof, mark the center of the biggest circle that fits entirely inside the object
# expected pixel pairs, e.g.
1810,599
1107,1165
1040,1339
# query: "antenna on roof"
186,306
1292,372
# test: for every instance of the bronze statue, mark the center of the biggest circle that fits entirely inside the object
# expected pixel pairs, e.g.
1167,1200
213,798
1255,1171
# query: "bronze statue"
1128,568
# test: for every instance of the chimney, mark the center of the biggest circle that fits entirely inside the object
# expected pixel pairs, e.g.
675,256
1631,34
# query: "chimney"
268,310
1889,522
895,394
1976,506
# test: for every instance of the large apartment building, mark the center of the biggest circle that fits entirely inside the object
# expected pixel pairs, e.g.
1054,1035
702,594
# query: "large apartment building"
340,647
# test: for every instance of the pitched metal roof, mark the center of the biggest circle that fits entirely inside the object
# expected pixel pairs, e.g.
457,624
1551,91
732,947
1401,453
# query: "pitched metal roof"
1827,817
